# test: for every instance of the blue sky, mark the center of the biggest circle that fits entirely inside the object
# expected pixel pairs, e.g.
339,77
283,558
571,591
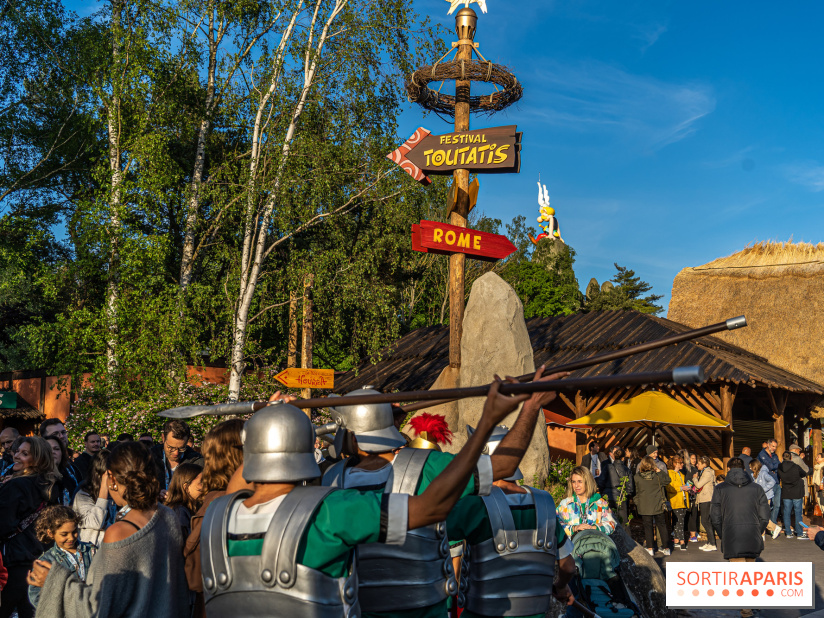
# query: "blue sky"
669,133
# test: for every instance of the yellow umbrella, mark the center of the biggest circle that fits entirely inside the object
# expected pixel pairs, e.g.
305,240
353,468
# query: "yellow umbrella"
650,409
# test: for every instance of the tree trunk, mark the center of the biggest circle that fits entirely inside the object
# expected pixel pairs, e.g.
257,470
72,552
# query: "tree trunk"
193,207
292,353
308,331
256,224
115,199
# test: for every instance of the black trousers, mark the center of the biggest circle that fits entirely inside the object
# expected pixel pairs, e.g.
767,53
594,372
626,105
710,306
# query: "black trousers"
16,594
692,520
678,530
704,508
649,531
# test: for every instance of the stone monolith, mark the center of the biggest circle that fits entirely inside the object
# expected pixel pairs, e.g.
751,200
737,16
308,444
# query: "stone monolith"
495,341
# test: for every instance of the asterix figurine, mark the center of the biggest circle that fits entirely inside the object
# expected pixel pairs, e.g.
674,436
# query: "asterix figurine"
456,3
547,221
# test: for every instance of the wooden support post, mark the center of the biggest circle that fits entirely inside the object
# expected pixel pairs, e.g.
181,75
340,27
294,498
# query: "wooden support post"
292,350
580,436
815,438
727,399
458,217
308,333
777,404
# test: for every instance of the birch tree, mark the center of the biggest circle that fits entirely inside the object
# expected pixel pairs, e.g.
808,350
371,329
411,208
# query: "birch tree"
319,42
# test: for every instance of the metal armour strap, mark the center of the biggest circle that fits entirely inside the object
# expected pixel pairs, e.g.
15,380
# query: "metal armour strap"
334,475
280,545
544,536
407,469
500,519
216,570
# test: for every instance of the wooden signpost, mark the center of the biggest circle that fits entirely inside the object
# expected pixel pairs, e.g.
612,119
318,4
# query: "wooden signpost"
434,237
307,378
482,151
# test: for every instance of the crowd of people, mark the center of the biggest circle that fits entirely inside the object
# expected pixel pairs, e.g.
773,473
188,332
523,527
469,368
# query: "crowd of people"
115,529
674,498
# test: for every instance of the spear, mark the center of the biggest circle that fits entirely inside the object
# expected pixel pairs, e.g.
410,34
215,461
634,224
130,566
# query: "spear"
731,324
679,375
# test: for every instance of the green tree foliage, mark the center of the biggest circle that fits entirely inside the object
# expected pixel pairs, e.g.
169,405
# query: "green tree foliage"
546,287
627,295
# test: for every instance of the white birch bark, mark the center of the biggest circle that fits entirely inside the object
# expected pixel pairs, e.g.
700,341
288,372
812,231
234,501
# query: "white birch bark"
257,224
115,198
193,207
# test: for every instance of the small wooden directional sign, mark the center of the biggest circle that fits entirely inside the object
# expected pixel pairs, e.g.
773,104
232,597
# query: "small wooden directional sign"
306,378
452,199
483,151
442,238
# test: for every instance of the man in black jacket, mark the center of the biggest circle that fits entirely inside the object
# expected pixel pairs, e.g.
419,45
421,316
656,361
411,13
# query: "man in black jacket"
740,512
173,452
617,490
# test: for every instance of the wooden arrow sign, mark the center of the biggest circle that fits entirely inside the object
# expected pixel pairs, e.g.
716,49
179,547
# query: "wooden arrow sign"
306,378
442,238
483,151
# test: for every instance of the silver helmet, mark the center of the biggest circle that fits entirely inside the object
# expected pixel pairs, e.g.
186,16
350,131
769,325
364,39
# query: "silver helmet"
279,446
492,443
373,424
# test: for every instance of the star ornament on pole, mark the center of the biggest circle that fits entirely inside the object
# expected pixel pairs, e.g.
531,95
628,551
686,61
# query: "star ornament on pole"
456,3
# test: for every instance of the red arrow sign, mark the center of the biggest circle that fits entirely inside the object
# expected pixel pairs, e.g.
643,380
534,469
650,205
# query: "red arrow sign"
434,237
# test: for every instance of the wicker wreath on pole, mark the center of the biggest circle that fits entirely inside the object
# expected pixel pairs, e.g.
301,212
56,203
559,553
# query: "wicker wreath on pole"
417,86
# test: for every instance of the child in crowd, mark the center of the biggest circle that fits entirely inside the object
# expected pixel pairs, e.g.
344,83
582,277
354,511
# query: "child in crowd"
185,494
60,525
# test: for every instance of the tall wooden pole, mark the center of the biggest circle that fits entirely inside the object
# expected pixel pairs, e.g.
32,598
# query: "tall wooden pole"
308,330
727,400
465,22
292,349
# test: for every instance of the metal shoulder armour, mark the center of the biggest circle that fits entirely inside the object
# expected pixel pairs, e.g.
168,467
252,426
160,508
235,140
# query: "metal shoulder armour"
335,475
511,574
272,582
417,573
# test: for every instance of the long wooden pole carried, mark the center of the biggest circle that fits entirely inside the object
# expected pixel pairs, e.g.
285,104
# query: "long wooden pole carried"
679,375
731,324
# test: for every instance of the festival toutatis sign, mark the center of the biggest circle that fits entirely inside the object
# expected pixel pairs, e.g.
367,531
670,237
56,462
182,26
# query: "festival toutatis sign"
483,151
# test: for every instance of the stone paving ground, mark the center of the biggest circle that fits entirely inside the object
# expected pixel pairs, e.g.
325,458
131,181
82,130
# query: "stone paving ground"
778,550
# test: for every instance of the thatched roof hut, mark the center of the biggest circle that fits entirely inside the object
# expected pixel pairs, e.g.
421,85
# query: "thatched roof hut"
778,286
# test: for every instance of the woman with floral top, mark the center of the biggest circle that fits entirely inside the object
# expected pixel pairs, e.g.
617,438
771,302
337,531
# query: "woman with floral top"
584,508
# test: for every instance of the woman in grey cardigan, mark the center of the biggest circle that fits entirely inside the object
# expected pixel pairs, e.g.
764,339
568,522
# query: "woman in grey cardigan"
138,570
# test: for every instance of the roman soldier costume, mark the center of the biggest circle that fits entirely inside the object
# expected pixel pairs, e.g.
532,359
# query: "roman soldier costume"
511,545
293,555
418,574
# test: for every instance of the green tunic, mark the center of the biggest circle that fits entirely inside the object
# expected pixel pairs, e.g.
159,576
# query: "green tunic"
469,520
344,520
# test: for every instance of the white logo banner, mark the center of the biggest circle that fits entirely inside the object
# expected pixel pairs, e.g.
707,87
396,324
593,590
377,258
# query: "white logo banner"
751,585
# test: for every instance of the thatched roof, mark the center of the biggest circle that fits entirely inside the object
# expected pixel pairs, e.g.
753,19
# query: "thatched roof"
415,361
778,286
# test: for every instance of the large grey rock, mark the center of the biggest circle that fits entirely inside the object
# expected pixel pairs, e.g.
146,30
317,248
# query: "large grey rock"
495,341
642,576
